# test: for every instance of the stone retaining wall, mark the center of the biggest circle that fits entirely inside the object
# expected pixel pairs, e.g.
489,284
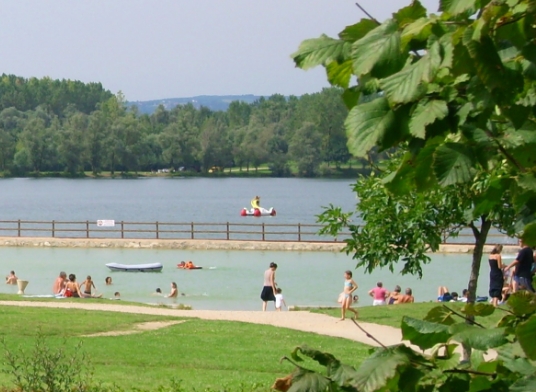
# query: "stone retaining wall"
202,244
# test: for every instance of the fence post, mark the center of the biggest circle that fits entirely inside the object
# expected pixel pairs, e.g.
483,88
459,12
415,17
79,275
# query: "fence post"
53,229
263,231
227,230
87,229
299,232
18,227
157,234
192,230
122,229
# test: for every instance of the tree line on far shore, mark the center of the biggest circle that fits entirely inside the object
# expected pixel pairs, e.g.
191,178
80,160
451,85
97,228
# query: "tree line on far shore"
71,127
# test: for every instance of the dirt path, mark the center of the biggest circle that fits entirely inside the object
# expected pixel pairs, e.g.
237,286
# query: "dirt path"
302,321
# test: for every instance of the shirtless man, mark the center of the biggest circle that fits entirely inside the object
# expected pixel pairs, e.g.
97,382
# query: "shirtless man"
406,298
59,283
11,278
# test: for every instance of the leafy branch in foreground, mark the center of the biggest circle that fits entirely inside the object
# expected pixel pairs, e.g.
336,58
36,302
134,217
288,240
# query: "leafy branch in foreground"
510,363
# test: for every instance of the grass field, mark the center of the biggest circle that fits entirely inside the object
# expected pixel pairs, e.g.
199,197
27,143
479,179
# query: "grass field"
391,315
203,355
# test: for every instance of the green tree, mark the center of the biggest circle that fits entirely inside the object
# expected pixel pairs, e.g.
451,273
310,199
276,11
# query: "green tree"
304,150
72,148
458,88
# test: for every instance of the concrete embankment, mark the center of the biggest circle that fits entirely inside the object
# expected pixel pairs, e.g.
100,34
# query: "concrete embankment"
203,244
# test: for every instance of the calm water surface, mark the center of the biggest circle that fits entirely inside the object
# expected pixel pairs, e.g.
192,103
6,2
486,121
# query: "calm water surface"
236,277
169,199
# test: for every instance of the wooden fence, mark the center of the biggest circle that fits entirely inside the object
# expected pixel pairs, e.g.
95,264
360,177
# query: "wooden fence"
193,230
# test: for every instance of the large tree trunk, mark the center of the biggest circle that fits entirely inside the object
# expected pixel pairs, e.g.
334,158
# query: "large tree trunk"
478,250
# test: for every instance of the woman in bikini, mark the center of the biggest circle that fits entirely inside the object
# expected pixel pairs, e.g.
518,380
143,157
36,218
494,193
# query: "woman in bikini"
349,287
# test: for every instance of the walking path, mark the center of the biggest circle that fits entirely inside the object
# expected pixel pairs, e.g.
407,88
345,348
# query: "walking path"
301,320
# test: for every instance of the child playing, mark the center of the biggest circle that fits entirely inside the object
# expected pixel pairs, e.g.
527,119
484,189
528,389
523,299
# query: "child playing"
279,300
349,287
88,285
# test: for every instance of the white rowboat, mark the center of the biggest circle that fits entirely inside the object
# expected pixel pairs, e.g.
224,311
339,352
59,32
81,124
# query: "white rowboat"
151,267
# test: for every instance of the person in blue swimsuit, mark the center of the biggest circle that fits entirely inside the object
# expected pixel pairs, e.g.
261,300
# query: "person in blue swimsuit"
349,287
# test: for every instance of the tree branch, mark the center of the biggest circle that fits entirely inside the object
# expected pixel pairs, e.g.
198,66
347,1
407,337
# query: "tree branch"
469,371
369,15
508,156
464,317
368,334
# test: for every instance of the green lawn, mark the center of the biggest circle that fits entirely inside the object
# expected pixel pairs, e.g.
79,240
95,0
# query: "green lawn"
392,314
202,354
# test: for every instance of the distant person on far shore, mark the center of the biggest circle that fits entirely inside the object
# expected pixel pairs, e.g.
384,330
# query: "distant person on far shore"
108,281
59,283
349,287
379,294
394,295
407,298
11,278
279,300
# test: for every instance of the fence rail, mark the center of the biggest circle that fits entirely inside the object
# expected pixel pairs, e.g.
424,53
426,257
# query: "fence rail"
298,232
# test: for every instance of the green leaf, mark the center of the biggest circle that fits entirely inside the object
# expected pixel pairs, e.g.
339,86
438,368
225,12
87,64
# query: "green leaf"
350,96
480,383
527,181
522,303
529,233
409,84
304,380
524,384
453,163
319,51
378,369
440,315
487,61
379,47
424,334
339,74
419,30
367,124
481,339
324,359
456,7
357,31
479,309
410,13
426,113
526,333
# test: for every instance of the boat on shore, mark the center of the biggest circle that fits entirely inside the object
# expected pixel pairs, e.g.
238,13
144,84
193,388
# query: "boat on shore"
150,267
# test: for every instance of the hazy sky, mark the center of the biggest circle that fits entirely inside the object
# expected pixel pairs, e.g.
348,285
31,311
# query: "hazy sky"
175,48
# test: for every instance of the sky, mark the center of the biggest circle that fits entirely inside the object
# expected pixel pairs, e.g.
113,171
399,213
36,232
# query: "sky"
175,48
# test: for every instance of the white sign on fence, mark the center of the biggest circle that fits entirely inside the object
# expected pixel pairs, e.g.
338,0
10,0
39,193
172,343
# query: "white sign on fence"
105,222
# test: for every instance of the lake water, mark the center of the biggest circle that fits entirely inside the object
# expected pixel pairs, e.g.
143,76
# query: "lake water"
231,279
170,199
235,281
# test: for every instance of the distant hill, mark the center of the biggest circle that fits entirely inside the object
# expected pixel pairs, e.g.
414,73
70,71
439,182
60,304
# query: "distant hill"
213,102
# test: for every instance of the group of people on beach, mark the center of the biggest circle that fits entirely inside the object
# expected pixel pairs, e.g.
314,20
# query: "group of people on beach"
381,296
67,286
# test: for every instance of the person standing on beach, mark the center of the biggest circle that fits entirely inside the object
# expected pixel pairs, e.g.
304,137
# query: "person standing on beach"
523,263
349,287
496,276
379,294
269,289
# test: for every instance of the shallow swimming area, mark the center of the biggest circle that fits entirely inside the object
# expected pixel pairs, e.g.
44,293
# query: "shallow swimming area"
230,280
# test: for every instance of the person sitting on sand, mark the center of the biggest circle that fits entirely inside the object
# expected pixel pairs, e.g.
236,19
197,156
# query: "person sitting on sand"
394,295
88,284
59,283
72,288
11,278
407,298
